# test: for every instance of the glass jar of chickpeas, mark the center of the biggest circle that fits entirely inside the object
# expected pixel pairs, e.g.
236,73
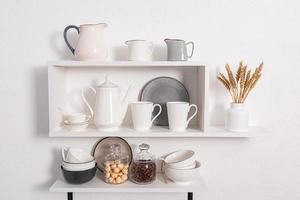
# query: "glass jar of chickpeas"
116,166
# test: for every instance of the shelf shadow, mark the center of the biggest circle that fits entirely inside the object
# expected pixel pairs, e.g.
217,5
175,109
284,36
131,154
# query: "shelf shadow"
40,85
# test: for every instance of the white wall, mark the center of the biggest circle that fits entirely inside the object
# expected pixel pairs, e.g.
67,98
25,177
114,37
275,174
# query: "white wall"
263,167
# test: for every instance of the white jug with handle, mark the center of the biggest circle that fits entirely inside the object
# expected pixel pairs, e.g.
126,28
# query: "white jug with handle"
91,44
110,108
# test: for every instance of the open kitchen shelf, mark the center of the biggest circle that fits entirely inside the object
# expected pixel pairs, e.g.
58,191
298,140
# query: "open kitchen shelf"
98,185
160,132
68,78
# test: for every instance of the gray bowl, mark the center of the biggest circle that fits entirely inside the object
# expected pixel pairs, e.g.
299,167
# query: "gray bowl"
79,177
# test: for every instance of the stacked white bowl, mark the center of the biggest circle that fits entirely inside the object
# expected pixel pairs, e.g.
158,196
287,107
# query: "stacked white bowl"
76,159
181,166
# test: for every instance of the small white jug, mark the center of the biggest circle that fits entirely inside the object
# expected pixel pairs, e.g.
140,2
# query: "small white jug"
139,50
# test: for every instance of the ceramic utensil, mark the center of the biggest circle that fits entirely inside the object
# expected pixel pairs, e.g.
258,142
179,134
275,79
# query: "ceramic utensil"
76,155
79,177
177,49
139,50
75,118
183,176
162,90
91,44
78,166
102,149
180,158
76,127
110,107
178,115
141,112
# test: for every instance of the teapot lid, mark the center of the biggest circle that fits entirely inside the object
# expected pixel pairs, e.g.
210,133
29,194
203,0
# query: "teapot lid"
107,84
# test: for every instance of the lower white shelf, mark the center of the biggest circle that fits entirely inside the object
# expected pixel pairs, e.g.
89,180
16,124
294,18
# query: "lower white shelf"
97,185
159,132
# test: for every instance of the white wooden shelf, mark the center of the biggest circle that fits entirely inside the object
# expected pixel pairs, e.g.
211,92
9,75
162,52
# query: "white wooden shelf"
98,185
68,78
126,64
159,132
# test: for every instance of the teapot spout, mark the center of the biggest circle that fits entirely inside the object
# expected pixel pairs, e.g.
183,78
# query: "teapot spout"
124,100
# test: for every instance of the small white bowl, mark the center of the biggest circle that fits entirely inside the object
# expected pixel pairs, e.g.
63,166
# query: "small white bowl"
78,166
77,155
191,166
180,158
183,176
76,127
75,118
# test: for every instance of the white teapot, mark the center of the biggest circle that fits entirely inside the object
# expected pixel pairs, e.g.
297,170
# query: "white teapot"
110,108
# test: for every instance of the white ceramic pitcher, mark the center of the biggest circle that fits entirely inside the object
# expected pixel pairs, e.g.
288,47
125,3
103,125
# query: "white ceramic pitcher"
91,44
110,108
139,50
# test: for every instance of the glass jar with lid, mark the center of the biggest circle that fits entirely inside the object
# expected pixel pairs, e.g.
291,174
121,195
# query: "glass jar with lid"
143,167
116,166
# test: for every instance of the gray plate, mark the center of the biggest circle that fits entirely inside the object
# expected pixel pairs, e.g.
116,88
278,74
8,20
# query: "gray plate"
161,90
102,149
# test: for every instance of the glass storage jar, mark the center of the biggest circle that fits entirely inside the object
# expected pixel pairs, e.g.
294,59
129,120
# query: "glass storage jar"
143,166
116,166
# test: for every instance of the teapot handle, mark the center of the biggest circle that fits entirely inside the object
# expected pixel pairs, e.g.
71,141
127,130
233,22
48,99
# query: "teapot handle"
66,38
86,102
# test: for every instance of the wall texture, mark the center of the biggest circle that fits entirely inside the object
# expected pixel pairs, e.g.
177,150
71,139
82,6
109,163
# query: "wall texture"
264,167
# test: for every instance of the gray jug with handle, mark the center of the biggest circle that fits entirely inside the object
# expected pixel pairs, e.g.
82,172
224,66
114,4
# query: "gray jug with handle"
177,49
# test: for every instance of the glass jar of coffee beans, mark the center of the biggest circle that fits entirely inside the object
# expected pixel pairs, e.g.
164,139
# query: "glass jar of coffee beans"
116,166
143,166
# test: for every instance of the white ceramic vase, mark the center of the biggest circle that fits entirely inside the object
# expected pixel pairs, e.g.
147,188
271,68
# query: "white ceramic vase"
237,118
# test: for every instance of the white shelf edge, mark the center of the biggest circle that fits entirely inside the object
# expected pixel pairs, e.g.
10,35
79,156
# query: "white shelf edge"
158,132
98,185
125,64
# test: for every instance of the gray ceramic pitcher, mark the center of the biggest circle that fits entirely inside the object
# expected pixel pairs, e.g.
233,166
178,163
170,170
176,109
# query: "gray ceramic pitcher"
177,49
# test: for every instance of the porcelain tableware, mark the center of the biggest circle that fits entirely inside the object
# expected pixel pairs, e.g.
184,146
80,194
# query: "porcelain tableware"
91,44
78,166
191,166
183,176
139,50
162,90
110,107
178,115
141,114
180,158
76,127
75,118
79,177
177,49
76,155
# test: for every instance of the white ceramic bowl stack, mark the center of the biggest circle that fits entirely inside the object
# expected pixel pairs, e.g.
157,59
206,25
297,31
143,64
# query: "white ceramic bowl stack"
75,159
181,166
76,121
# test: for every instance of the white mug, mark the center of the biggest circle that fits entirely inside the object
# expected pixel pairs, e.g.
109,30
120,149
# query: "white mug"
141,112
139,50
178,115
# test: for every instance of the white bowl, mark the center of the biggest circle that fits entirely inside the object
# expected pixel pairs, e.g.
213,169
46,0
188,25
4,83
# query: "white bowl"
181,158
191,166
78,166
77,127
77,155
75,118
183,176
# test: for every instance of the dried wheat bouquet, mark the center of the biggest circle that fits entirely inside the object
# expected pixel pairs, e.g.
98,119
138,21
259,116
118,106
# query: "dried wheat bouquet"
240,85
